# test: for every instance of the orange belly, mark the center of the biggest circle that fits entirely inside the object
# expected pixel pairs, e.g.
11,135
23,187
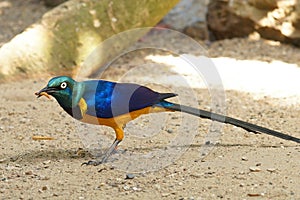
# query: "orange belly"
121,120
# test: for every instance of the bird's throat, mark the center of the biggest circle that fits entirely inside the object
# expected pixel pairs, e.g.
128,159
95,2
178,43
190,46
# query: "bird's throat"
77,111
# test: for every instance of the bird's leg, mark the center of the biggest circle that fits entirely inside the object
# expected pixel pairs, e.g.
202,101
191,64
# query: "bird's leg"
113,147
106,155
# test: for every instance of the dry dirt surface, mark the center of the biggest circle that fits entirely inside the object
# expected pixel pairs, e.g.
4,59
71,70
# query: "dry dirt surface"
242,165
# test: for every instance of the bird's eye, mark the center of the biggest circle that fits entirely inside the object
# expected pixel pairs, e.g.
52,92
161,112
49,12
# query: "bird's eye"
63,85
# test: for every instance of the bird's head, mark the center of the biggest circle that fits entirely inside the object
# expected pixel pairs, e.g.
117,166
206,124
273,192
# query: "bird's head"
61,88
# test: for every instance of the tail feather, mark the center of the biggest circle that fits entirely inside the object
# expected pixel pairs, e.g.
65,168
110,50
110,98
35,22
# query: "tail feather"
228,120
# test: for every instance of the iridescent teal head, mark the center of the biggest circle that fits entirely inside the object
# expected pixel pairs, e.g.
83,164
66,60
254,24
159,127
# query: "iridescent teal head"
61,88
67,92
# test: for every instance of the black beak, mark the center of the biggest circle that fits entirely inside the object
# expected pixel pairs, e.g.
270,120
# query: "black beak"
45,92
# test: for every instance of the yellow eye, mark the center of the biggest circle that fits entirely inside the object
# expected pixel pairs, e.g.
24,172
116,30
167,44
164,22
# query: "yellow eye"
63,85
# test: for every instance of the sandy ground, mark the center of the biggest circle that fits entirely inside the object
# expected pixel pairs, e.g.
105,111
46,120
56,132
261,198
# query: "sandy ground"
241,165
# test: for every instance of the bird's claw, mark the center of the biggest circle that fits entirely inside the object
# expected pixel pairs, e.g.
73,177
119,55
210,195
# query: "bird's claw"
92,162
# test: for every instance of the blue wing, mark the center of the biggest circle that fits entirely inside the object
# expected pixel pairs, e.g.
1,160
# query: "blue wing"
109,99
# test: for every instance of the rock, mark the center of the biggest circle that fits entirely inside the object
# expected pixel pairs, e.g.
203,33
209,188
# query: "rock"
255,194
265,4
271,169
136,188
25,55
44,188
197,30
224,23
126,187
130,176
254,169
189,16
275,20
28,173
244,158
169,131
185,13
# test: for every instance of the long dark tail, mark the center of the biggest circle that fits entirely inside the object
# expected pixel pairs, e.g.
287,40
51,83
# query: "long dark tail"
228,120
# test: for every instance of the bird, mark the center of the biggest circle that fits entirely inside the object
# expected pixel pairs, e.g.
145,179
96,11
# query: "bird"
114,104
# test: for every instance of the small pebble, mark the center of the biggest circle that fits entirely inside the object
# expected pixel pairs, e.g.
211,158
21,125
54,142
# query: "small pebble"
28,173
101,184
44,188
47,162
255,194
271,169
254,169
169,131
244,158
130,176
126,187
136,189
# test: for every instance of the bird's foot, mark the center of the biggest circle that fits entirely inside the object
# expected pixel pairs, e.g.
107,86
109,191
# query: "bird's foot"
111,149
93,162
105,158
96,162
